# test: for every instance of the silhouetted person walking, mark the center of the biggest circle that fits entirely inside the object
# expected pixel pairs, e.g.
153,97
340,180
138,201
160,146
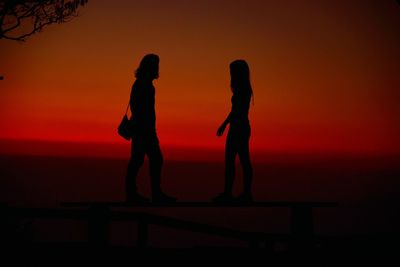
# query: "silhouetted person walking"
237,140
144,139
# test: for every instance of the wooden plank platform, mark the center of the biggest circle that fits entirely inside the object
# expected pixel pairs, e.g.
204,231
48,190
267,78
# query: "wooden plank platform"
289,204
100,214
301,212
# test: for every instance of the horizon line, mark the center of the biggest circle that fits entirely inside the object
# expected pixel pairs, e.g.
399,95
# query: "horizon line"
175,146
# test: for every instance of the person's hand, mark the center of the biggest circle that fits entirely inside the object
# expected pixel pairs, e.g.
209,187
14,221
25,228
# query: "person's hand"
221,130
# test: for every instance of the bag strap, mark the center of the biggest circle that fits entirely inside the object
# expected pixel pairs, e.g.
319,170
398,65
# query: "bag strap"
126,111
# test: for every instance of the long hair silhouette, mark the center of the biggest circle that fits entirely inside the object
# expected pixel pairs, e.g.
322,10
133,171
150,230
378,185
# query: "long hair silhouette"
148,67
240,77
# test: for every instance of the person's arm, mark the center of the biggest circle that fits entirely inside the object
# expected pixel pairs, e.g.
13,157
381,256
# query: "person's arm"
221,128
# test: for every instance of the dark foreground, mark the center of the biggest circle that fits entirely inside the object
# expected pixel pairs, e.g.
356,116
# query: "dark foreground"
363,227
335,251
21,246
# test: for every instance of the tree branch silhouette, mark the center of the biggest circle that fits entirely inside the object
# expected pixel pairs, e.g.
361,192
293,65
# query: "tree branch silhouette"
20,19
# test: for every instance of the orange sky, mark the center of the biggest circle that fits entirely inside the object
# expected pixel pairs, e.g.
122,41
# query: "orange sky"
325,73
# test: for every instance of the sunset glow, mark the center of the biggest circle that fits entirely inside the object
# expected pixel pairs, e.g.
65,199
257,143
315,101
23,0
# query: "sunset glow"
325,74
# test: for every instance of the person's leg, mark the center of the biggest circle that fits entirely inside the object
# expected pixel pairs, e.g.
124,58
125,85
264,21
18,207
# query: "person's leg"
244,156
136,161
230,156
156,160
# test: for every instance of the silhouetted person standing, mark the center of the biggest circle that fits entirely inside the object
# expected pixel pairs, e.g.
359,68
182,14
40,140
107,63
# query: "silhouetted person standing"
144,139
237,140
